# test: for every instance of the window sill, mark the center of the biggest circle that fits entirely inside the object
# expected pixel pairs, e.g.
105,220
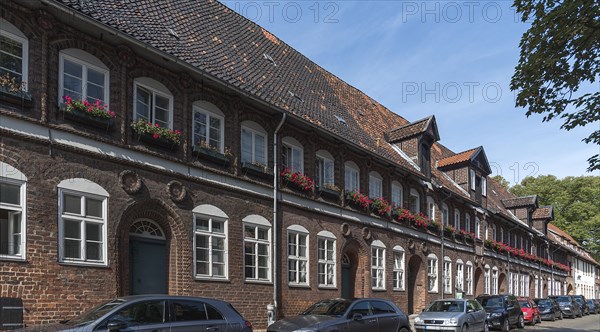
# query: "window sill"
398,289
18,98
262,282
13,259
84,264
432,292
378,289
327,287
224,280
299,286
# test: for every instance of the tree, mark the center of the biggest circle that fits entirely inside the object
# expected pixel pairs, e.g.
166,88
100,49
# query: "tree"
560,57
501,181
575,201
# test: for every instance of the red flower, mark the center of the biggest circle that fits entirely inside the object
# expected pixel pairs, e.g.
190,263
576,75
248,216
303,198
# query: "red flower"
155,136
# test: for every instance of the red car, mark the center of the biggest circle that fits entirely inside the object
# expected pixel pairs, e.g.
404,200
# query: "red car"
531,313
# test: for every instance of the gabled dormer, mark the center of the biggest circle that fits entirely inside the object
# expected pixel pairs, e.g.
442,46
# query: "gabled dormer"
522,207
541,217
470,170
415,140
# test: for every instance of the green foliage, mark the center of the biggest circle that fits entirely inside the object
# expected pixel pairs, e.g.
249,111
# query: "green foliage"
501,181
576,202
560,53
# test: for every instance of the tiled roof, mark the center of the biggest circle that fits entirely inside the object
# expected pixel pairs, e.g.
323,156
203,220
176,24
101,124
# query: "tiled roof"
562,234
411,129
520,202
543,212
458,158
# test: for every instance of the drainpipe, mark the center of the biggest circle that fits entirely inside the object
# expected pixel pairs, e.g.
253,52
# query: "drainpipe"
272,308
442,243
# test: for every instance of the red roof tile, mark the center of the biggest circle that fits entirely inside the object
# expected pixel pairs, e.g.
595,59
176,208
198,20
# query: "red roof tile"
457,158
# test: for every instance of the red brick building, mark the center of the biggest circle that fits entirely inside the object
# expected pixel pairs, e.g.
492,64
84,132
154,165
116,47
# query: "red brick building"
98,207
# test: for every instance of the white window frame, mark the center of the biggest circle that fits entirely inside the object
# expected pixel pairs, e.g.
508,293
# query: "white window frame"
495,281
86,61
154,88
460,275
483,186
487,280
431,208
399,268
258,222
469,278
326,259
325,168
375,185
84,189
292,150
211,112
294,256
472,178
11,32
377,265
432,273
445,215
254,130
468,223
485,231
211,235
351,177
12,176
447,275
397,194
414,199
457,219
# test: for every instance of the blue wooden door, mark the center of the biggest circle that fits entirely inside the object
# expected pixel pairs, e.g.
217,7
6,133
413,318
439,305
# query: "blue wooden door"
148,261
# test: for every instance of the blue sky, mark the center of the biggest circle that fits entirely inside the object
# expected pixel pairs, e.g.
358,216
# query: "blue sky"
453,59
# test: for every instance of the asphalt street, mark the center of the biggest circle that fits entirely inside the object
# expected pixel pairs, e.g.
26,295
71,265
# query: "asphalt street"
586,323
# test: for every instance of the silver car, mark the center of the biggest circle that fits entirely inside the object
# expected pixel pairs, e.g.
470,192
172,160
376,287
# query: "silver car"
458,315
155,313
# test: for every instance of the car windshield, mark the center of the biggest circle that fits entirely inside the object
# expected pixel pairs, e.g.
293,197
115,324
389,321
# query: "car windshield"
492,302
524,304
544,303
579,300
446,306
562,299
328,308
94,313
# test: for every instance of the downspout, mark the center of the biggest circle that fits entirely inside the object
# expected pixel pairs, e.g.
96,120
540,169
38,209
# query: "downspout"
442,244
272,311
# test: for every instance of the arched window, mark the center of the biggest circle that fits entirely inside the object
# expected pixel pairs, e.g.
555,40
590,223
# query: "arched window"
82,76
486,280
324,169
469,278
210,242
375,185
153,102
397,200
14,47
414,201
207,126
495,281
377,265
351,177
432,273
82,222
12,212
326,259
254,143
257,248
297,255
292,155
398,279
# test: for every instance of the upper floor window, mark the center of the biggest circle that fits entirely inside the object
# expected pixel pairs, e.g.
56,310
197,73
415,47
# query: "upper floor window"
432,273
484,186
494,233
12,212
257,248
397,194
378,265
207,126
292,155
477,228
324,169
430,207
445,215
254,143
153,102
457,219
351,177
326,259
485,231
425,160
472,178
447,275
398,268
14,53
82,76
82,222
375,185
297,255
468,223
414,201
210,242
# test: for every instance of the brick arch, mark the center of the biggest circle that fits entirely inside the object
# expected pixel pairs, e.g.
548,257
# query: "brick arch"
176,237
165,78
65,41
26,24
263,121
213,99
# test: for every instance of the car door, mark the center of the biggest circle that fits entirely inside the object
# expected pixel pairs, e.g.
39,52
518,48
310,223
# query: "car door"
476,315
361,318
195,315
141,316
387,318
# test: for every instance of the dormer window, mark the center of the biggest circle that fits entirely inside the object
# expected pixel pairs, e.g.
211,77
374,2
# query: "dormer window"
425,159
472,177
483,186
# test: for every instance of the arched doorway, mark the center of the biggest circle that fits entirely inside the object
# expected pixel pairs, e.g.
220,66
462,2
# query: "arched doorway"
415,285
478,281
147,258
503,287
355,277
348,276
569,289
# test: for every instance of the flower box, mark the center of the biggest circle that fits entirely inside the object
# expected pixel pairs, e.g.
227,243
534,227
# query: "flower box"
297,180
155,135
16,97
329,193
158,142
88,120
381,207
256,170
357,200
210,154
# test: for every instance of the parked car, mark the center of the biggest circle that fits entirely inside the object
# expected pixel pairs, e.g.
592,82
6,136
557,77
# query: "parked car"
594,309
549,309
597,303
583,303
156,313
568,305
503,311
530,310
457,315
347,315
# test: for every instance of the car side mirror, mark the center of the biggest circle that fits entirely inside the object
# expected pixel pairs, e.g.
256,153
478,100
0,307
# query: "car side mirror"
470,310
116,325
357,317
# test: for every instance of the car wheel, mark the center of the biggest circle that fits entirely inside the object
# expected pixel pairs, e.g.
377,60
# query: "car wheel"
464,328
486,327
561,317
505,327
521,323
404,329
553,317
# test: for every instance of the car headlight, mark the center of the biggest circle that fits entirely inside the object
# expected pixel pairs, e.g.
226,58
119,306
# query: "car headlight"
418,320
451,321
496,314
